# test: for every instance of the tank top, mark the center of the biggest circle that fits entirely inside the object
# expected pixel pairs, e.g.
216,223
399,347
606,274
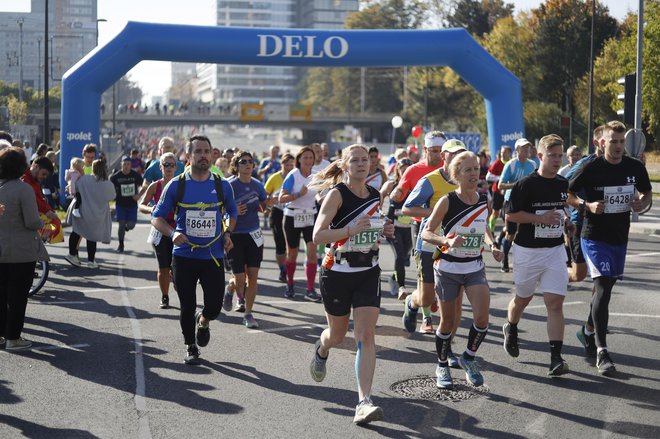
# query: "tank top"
159,191
367,242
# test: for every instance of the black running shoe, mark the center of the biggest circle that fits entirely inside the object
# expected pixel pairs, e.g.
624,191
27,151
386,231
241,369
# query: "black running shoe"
588,341
203,333
605,364
120,249
192,355
511,339
164,302
557,367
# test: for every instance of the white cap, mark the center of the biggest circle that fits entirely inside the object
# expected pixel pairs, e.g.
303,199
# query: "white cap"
522,142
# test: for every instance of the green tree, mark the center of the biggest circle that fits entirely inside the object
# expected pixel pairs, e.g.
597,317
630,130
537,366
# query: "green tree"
18,111
477,16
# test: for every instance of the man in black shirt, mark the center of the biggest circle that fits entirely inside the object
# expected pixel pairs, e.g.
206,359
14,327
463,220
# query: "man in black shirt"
608,184
127,184
537,204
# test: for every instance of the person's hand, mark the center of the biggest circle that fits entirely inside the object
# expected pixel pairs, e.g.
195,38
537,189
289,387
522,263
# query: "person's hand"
551,218
228,243
362,224
455,241
498,254
241,208
179,238
388,229
303,191
596,207
52,215
637,205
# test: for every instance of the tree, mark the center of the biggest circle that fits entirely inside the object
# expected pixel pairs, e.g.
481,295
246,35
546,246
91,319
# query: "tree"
477,16
18,111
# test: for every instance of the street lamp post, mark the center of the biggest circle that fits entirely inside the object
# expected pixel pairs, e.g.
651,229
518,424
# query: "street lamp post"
20,58
39,67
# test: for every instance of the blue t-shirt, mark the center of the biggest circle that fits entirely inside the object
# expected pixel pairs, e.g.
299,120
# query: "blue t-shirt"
154,173
249,194
513,171
200,226
276,167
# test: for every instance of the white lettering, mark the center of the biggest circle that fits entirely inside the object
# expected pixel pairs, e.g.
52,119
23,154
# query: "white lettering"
512,137
86,136
292,42
263,45
272,45
327,47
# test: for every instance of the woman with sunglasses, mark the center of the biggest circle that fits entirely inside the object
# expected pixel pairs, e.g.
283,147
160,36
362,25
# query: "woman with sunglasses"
402,241
276,218
299,216
162,244
248,251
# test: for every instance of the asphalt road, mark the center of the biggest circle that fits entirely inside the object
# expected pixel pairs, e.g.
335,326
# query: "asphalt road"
107,363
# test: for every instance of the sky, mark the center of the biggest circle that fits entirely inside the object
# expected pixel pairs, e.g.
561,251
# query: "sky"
154,76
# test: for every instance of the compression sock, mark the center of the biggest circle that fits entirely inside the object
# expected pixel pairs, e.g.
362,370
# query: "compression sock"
442,347
600,307
310,271
290,270
555,349
477,335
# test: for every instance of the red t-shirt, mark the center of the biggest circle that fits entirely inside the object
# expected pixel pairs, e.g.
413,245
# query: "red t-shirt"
496,169
413,174
42,204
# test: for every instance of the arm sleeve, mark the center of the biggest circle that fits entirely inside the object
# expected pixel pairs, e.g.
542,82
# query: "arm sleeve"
420,195
230,204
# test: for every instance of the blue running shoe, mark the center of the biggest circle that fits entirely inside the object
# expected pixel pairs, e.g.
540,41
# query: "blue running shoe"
444,378
472,373
452,360
409,316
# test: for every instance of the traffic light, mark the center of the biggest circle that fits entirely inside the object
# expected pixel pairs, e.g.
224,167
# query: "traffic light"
628,98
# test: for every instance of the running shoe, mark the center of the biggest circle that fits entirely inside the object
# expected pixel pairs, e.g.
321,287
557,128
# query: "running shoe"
250,322
472,372
557,367
427,326
505,268
92,264
73,260
434,305
18,344
192,355
394,286
444,380
588,341
366,412
240,305
510,339
604,363
403,293
452,360
120,248
164,302
409,316
282,277
313,296
2,342
289,292
203,332
227,301
317,366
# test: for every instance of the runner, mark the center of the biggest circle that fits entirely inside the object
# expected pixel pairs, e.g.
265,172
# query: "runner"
493,176
537,203
420,203
199,199
462,216
514,170
376,176
127,184
248,252
299,216
350,275
609,183
272,187
402,241
162,245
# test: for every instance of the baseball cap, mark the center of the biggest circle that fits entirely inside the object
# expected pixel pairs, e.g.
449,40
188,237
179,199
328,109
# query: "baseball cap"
522,142
125,159
412,148
453,145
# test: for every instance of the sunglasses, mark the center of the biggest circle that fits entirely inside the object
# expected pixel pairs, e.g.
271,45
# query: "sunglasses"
245,161
405,162
168,165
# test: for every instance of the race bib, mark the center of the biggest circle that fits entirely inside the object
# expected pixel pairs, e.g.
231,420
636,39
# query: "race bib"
200,224
548,231
365,240
257,237
618,198
127,190
154,236
303,218
473,239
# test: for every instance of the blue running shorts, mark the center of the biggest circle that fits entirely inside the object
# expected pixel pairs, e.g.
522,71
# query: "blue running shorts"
604,259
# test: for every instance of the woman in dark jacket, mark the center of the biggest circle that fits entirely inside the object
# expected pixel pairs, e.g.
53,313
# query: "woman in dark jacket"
20,247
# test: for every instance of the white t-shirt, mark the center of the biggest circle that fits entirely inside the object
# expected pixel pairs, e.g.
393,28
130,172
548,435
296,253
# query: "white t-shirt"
321,166
293,183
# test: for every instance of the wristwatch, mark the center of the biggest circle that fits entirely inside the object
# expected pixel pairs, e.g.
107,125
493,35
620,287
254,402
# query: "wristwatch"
583,205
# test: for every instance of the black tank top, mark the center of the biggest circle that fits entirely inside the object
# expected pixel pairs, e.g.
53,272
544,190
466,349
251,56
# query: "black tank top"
353,206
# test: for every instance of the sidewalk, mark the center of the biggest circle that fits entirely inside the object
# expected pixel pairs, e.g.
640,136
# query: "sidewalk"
649,223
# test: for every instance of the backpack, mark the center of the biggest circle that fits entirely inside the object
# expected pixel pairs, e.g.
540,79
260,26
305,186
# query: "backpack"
181,187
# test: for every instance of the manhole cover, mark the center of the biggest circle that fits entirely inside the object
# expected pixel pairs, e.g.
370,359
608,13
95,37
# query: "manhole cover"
423,387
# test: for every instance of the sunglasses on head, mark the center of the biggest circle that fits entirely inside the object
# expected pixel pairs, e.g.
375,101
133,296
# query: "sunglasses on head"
405,162
168,165
245,161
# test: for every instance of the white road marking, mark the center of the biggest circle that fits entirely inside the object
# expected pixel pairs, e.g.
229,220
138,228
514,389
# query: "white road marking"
642,255
61,302
71,347
140,387
565,304
285,328
623,314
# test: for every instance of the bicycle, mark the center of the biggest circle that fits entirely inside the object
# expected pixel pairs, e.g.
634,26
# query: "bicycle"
41,271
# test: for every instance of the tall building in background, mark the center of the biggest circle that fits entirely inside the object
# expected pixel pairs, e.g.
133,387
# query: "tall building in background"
184,83
229,84
72,33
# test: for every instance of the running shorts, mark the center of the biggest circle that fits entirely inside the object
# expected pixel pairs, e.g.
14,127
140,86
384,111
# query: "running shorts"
341,290
539,268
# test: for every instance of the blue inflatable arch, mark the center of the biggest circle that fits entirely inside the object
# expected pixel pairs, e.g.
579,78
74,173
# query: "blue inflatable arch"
84,83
